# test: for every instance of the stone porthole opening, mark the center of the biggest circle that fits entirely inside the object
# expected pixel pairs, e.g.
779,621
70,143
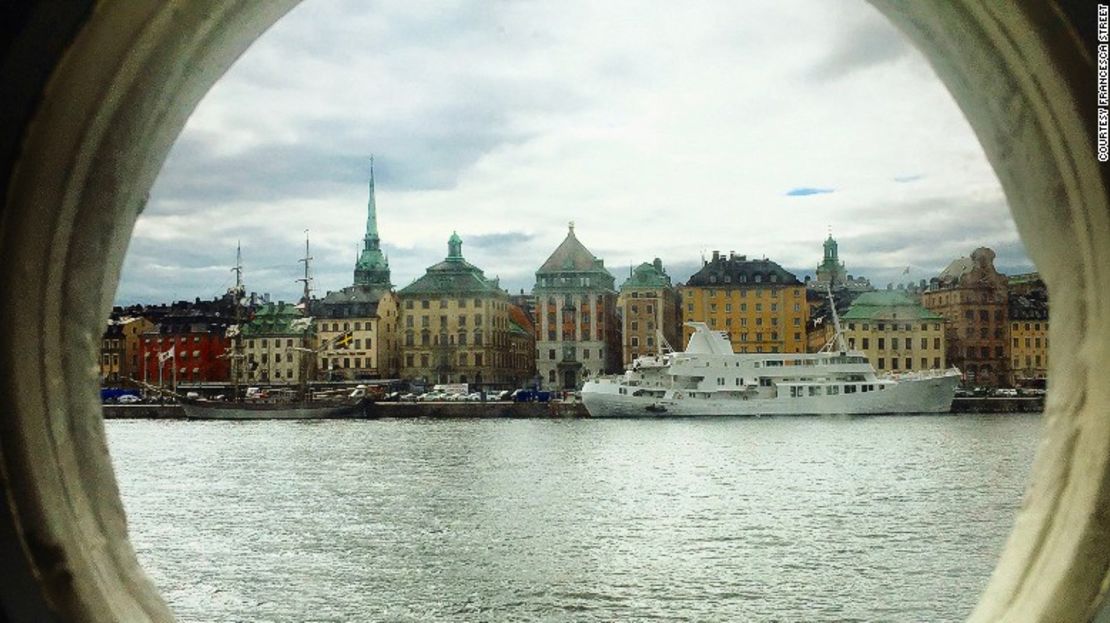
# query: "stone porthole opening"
95,94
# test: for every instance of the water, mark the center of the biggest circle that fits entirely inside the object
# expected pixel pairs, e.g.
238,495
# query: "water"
772,519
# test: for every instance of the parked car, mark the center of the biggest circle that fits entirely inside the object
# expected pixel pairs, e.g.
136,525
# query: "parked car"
128,399
531,395
409,397
1006,392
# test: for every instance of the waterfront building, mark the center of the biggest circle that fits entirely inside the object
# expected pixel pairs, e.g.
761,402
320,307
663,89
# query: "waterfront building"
111,353
1028,337
356,326
194,344
577,328
455,326
277,346
972,296
895,332
522,348
649,310
760,305
133,328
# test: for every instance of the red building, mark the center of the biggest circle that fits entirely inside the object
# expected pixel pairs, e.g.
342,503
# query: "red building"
199,346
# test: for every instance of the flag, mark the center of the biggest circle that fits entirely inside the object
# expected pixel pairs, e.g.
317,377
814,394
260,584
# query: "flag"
343,340
300,324
163,356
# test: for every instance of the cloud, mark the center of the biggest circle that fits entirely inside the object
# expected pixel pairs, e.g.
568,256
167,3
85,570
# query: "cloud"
863,45
504,121
802,191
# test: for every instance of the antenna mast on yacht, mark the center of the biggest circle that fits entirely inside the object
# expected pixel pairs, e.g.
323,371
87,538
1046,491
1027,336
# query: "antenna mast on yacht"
839,336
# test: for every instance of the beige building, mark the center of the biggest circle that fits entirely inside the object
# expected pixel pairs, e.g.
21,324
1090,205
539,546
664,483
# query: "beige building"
456,327
577,327
648,308
895,332
356,334
277,346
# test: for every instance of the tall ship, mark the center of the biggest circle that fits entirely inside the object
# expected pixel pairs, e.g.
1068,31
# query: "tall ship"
708,378
289,403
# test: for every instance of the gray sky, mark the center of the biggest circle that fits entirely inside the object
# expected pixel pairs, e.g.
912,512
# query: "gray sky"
661,129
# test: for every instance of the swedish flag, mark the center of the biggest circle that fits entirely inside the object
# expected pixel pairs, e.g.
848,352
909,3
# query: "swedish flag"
344,340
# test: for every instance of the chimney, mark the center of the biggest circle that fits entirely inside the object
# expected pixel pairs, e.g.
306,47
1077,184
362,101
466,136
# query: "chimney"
716,256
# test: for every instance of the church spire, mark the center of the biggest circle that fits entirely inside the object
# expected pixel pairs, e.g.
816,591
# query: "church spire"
372,267
371,212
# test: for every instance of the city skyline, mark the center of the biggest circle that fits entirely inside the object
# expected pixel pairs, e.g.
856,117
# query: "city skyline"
504,124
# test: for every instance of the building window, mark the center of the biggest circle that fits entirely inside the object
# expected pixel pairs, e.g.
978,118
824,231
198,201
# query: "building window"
882,363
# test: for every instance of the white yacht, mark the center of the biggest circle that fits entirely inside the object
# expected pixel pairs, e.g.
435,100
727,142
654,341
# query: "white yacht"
710,379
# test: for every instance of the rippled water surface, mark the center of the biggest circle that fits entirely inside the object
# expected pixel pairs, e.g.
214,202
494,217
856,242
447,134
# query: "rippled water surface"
789,519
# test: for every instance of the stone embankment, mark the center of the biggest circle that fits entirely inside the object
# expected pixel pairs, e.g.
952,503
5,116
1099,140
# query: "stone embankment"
412,410
407,410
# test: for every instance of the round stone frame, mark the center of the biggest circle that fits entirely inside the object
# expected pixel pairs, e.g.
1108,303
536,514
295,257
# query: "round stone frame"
95,94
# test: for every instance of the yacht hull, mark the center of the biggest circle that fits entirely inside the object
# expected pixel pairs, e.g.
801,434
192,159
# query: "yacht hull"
927,395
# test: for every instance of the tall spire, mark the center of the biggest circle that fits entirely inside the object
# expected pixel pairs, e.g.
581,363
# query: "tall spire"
371,211
372,267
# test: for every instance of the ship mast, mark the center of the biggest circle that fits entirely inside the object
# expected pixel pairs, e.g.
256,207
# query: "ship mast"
306,300
237,340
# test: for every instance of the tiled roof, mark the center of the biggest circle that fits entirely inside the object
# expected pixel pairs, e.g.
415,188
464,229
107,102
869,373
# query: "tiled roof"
520,319
357,301
572,256
888,305
453,276
738,271
648,275
275,319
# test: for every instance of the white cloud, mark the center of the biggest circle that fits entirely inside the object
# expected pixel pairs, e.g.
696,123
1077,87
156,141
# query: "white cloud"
662,130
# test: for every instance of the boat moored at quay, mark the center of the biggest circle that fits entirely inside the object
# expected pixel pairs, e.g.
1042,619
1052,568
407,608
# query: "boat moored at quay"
710,379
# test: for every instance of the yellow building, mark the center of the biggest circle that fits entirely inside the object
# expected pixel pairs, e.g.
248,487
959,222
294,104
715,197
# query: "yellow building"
456,327
133,329
896,332
1028,340
761,306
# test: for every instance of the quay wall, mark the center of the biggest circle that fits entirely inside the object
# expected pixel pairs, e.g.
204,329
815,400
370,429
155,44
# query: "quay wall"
993,404
389,410
409,410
